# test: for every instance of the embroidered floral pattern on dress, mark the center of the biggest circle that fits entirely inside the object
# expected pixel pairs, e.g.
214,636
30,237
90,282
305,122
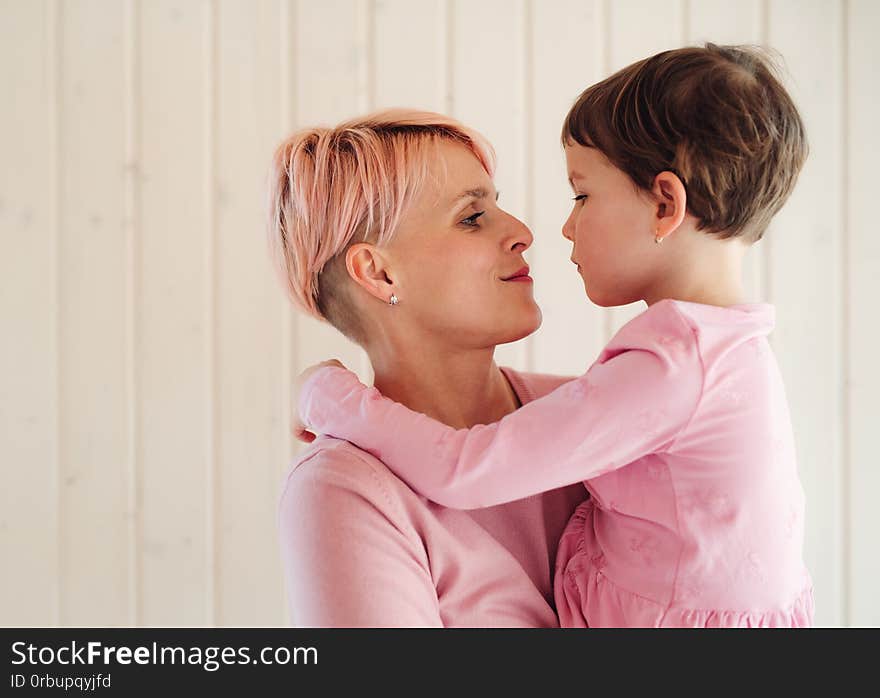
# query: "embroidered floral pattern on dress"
647,547
729,392
582,387
658,472
758,347
649,422
707,502
671,343
687,590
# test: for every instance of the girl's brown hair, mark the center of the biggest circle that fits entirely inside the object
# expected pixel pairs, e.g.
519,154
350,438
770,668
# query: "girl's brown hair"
717,116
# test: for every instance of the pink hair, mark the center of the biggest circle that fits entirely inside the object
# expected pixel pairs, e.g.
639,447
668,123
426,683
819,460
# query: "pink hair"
328,185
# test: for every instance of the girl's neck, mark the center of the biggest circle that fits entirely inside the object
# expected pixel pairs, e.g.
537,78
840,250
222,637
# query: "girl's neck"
702,270
722,295
458,388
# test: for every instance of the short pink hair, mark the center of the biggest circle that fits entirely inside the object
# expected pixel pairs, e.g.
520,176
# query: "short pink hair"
330,187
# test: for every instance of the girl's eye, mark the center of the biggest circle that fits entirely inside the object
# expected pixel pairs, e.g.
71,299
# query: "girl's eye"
472,220
580,197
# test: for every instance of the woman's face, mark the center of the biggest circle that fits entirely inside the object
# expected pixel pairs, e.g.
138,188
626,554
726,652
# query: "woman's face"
611,228
457,259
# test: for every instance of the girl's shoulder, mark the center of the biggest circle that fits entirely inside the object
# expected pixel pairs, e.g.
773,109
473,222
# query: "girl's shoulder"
663,319
662,330
685,328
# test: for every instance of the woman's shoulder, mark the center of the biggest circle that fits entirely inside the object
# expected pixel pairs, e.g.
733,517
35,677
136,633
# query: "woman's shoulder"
335,463
334,472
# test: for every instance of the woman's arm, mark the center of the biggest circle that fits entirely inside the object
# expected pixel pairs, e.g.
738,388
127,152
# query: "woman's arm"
629,404
349,559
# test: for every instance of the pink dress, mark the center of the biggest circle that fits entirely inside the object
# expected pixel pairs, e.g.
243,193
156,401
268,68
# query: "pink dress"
361,549
682,434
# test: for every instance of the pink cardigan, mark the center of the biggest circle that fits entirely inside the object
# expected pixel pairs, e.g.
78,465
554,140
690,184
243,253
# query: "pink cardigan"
361,549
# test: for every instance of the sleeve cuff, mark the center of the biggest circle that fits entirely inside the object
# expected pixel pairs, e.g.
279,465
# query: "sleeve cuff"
311,409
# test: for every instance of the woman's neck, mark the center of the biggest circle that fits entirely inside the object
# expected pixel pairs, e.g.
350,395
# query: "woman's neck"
458,388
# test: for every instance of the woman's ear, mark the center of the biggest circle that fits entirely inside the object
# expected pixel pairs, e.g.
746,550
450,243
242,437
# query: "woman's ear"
369,269
671,198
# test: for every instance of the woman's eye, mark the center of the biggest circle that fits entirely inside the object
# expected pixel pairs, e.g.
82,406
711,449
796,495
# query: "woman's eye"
579,197
472,220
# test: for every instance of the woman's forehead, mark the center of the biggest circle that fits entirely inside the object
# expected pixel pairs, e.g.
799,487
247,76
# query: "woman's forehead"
462,174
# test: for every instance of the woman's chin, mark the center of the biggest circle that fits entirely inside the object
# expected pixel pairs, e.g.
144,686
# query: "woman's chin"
525,325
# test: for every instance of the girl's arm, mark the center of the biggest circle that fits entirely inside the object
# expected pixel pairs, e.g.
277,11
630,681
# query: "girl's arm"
633,401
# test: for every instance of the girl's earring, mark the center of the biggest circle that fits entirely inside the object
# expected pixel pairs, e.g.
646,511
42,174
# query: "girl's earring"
658,239
393,300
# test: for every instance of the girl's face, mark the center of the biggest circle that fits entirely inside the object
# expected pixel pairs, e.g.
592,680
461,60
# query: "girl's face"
458,260
612,226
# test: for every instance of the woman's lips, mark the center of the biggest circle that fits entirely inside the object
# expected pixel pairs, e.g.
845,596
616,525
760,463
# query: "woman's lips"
521,276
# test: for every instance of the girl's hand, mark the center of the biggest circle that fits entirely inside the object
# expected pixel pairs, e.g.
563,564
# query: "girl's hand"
299,429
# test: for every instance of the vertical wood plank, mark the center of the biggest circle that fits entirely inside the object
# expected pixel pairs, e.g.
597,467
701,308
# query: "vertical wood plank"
284,407
173,332
568,55
28,352
94,428
723,22
805,284
863,331
250,434
489,93
409,52
131,210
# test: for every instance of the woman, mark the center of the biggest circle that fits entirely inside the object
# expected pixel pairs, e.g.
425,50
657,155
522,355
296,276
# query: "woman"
388,228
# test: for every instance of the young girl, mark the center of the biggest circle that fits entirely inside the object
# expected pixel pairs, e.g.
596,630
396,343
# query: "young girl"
680,430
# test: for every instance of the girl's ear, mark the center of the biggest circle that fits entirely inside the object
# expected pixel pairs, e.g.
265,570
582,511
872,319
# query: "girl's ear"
671,198
370,270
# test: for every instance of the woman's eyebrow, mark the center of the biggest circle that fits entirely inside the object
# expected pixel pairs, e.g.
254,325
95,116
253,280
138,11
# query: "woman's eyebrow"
573,176
476,193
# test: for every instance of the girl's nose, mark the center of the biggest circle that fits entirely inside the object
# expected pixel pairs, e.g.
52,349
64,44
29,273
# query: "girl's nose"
568,228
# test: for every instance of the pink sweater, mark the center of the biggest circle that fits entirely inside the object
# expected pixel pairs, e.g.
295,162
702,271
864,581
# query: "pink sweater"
361,549
682,434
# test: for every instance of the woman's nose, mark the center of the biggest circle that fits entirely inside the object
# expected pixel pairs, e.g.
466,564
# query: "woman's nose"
521,237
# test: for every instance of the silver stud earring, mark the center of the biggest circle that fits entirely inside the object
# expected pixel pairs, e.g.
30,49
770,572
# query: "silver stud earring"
393,300
658,239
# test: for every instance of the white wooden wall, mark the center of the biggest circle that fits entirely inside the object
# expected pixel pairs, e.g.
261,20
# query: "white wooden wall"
147,351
